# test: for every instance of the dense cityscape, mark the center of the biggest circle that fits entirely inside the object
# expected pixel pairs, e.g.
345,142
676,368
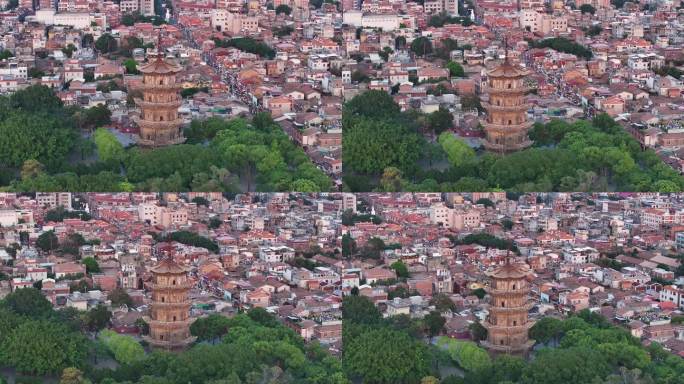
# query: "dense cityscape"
341,191
338,288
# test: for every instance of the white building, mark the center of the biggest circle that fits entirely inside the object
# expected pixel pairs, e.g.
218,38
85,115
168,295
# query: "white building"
276,254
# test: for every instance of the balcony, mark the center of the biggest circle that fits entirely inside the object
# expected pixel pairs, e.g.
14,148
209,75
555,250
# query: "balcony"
153,104
509,329
510,108
508,292
166,287
169,324
169,87
159,125
508,128
506,91
503,310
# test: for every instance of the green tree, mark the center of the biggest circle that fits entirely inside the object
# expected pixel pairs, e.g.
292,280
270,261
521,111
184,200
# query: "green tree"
566,366
106,43
69,50
131,66
119,297
283,8
210,328
109,148
479,292
458,152
546,329
42,347
380,356
98,318
348,245
440,120
466,354
587,8
47,241
455,69
442,302
92,266
421,46
477,331
400,268
5,54
360,310
27,302
125,349
434,323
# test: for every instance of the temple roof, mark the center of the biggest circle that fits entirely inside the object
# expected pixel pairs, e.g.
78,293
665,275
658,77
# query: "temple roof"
510,270
160,66
168,265
506,69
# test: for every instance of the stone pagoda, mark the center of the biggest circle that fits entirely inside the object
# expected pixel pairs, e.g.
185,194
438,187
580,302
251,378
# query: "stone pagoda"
506,124
508,324
159,122
169,316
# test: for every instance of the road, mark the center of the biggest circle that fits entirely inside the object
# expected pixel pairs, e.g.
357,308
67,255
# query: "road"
562,90
237,89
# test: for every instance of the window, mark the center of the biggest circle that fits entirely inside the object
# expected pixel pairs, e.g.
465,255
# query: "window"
515,323
163,299
513,286
503,304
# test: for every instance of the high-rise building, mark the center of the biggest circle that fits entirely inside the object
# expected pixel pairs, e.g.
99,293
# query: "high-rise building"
159,122
169,316
506,125
508,323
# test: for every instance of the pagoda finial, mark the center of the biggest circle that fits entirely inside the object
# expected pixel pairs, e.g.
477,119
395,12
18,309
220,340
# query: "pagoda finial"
508,255
159,45
505,42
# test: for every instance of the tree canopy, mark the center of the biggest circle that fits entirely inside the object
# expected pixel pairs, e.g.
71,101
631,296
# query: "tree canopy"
384,151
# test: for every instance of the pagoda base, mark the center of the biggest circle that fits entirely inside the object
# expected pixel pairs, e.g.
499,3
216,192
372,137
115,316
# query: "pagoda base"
517,350
156,143
170,344
507,148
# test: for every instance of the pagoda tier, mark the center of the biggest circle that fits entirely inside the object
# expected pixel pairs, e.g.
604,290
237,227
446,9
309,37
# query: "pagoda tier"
506,126
159,122
508,323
